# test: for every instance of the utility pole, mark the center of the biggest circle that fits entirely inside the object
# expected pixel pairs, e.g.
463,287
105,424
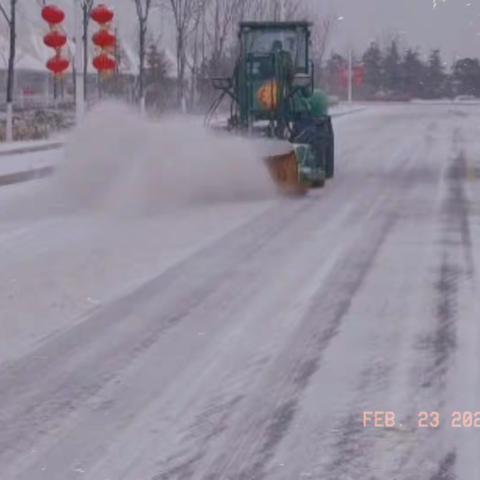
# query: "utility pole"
78,61
12,25
350,76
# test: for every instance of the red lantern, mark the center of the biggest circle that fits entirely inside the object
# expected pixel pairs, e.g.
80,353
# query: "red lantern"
102,14
52,14
55,39
104,39
57,64
104,63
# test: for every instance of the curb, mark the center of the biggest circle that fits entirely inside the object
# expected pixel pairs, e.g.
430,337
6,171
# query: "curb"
25,176
342,114
31,149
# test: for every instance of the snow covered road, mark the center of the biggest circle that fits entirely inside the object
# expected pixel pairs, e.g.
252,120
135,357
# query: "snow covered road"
245,340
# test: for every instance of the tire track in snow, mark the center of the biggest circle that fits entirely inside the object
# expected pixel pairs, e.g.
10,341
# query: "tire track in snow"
259,429
452,275
437,348
442,342
39,390
355,448
446,467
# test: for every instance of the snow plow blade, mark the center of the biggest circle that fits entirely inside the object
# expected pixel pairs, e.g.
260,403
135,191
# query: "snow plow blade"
285,173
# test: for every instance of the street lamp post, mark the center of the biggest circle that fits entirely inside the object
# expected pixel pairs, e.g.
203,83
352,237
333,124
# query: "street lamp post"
350,76
349,66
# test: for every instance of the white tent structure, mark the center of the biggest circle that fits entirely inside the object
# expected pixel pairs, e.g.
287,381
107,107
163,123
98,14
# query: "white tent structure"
32,54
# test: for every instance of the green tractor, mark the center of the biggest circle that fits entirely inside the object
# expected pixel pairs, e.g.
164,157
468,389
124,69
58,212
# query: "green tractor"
272,96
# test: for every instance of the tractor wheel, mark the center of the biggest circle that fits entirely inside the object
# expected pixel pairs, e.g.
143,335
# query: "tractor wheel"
319,183
330,154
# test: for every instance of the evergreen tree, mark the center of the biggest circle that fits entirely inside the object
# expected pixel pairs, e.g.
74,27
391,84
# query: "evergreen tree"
435,75
466,76
157,64
392,69
158,86
372,62
336,63
413,72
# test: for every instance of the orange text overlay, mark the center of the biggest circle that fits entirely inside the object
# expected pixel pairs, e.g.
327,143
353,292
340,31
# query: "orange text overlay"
425,419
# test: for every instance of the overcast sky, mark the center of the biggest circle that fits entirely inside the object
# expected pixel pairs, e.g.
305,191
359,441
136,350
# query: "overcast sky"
451,25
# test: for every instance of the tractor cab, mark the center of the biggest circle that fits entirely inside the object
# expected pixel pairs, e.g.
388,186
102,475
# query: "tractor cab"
266,39
272,77
272,68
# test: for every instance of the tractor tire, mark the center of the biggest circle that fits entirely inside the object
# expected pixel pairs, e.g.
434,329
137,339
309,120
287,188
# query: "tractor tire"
319,183
330,154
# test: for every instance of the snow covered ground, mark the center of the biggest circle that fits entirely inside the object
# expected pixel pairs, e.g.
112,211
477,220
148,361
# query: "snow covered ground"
164,315
29,146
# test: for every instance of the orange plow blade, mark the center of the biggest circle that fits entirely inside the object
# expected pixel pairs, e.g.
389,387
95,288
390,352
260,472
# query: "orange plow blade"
284,172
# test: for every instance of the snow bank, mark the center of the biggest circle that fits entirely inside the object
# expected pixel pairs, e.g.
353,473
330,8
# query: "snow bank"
117,161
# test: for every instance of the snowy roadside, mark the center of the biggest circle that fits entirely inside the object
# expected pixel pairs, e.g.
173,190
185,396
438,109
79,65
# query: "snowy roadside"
14,148
28,160
346,109
20,167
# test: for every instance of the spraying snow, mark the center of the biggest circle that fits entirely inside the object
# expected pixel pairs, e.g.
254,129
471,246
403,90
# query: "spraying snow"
117,161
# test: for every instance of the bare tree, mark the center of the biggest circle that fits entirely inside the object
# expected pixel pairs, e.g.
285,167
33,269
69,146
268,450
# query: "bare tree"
275,10
256,9
205,39
323,26
224,15
321,36
143,11
195,58
228,13
294,9
10,18
187,15
87,6
286,9
213,34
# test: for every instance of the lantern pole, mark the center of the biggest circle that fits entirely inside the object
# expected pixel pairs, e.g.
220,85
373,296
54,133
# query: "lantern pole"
78,61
